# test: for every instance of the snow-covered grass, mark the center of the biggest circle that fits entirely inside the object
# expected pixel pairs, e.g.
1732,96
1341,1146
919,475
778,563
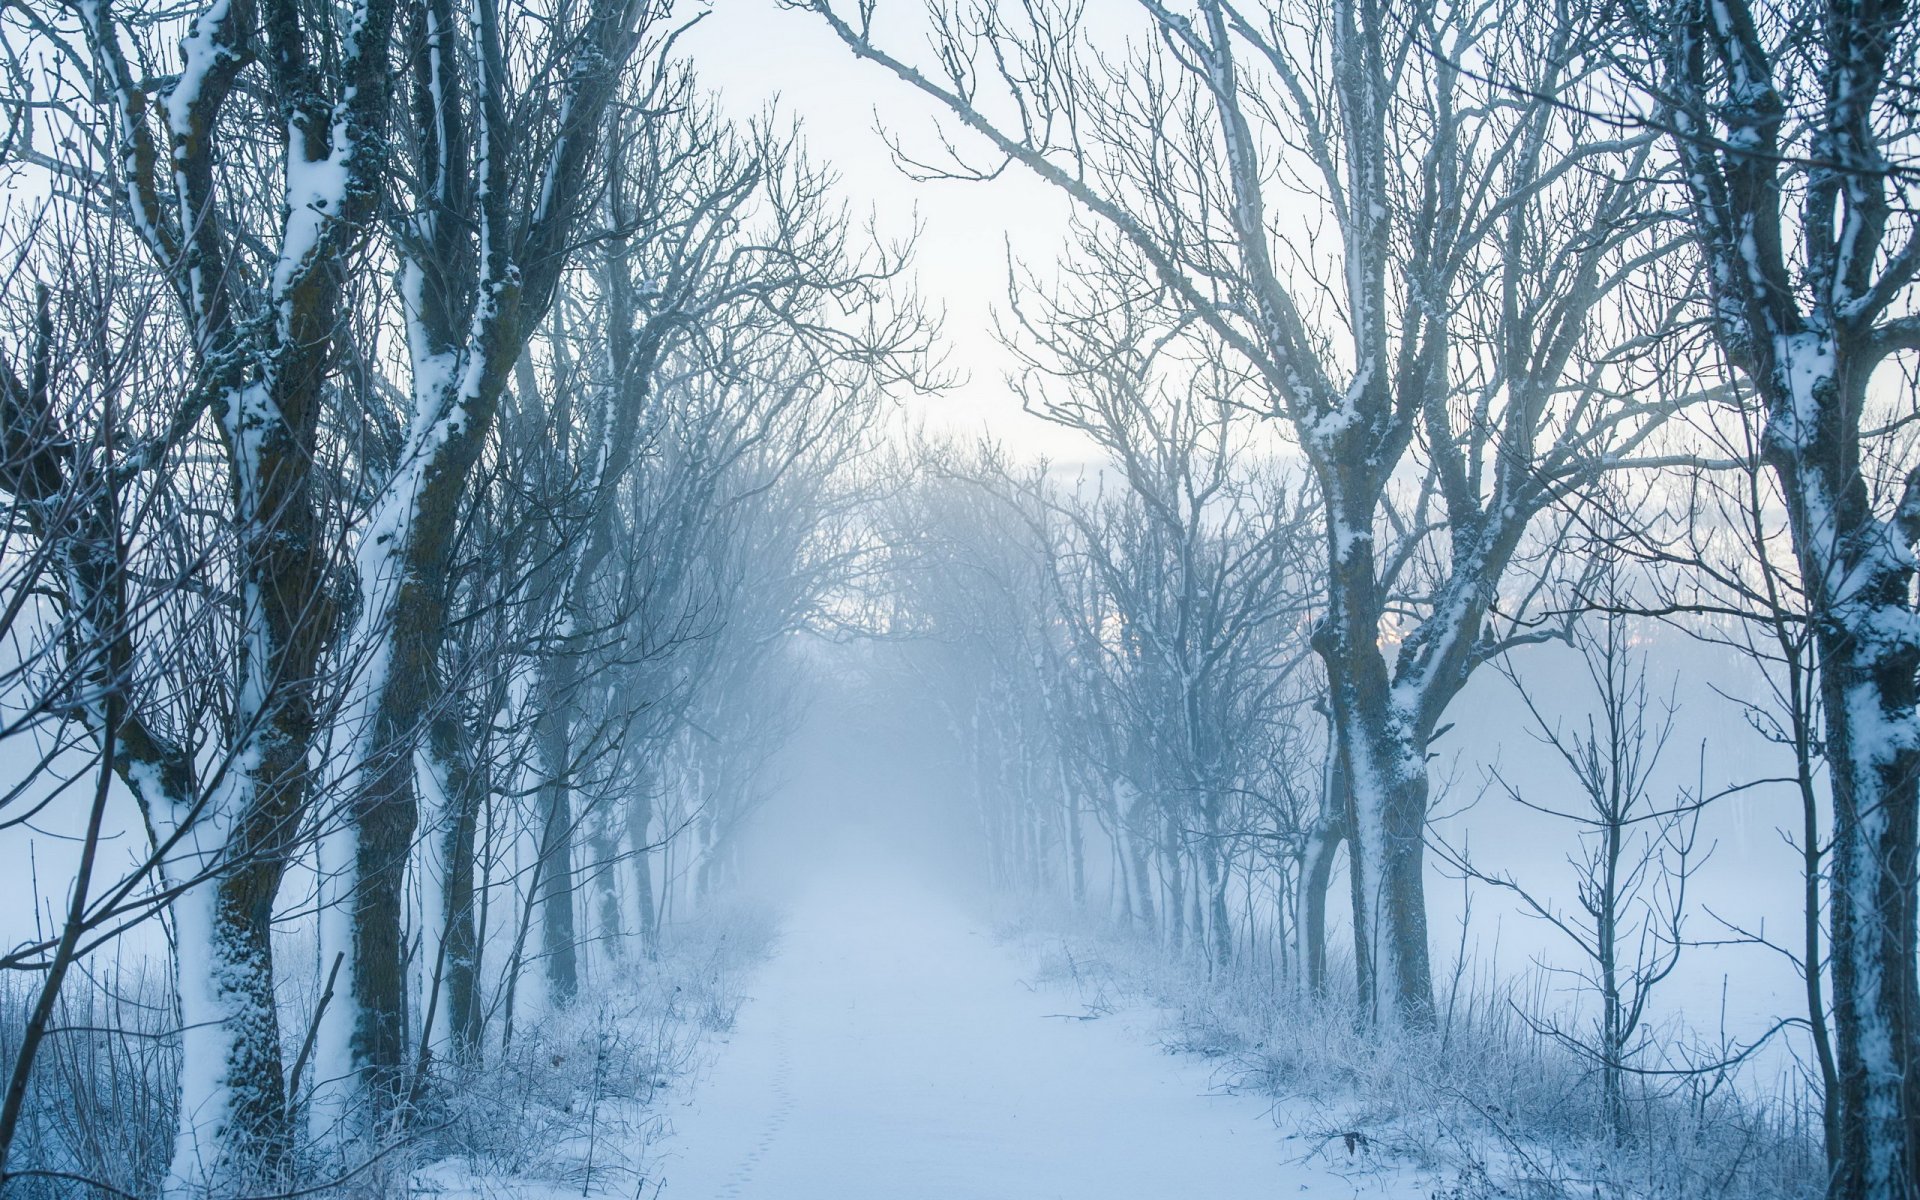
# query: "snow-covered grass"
570,1107
1487,1102
100,1104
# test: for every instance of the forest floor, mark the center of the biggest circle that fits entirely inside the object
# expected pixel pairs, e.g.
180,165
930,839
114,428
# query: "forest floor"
890,1049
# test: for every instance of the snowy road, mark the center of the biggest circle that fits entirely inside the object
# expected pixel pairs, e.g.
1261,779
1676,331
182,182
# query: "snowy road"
891,1051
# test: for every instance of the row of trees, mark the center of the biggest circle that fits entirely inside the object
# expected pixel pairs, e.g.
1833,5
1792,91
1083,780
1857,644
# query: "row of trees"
421,427
1506,282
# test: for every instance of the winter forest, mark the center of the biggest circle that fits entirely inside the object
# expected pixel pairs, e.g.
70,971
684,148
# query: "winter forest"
855,599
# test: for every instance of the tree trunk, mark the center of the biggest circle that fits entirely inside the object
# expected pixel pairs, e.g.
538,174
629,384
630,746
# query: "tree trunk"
233,1130
608,926
639,830
1869,698
1382,747
558,936
1316,878
465,788
1076,855
1139,832
361,1053
1876,999
1869,694
1219,875
1172,867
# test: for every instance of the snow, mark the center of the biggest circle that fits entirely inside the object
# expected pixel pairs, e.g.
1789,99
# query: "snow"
316,194
427,884
890,1049
336,854
203,49
1808,365
205,1098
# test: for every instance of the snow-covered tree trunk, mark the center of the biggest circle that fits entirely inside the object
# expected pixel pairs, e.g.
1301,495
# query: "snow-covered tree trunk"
1076,850
265,376
1139,839
1860,583
474,290
609,927
1812,292
1382,755
1173,877
1323,841
461,943
1219,876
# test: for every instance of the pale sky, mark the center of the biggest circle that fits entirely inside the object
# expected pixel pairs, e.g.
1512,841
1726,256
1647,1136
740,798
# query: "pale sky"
753,52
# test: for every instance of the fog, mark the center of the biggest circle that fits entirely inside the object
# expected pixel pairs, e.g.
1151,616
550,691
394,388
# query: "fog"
872,790
844,598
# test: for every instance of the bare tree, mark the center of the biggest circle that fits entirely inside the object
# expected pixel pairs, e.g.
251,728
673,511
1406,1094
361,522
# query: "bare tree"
255,248
1721,560
1461,331
69,517
728,259
509,126
1791,124
1636,848
1205,566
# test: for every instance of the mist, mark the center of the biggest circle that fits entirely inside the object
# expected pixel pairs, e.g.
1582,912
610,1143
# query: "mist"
997,598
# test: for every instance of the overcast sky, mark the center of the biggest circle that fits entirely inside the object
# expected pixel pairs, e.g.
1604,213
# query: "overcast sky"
754,53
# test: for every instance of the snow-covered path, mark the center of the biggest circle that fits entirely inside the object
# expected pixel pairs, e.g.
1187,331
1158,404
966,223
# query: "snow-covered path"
891,1052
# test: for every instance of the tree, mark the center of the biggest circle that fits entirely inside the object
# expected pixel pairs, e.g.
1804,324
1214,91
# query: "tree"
1467,331
1636,851
1204,565
1789,126
729,267
74,520
261,290
503,149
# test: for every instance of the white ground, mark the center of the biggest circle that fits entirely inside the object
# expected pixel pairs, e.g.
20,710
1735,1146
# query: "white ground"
890,1051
